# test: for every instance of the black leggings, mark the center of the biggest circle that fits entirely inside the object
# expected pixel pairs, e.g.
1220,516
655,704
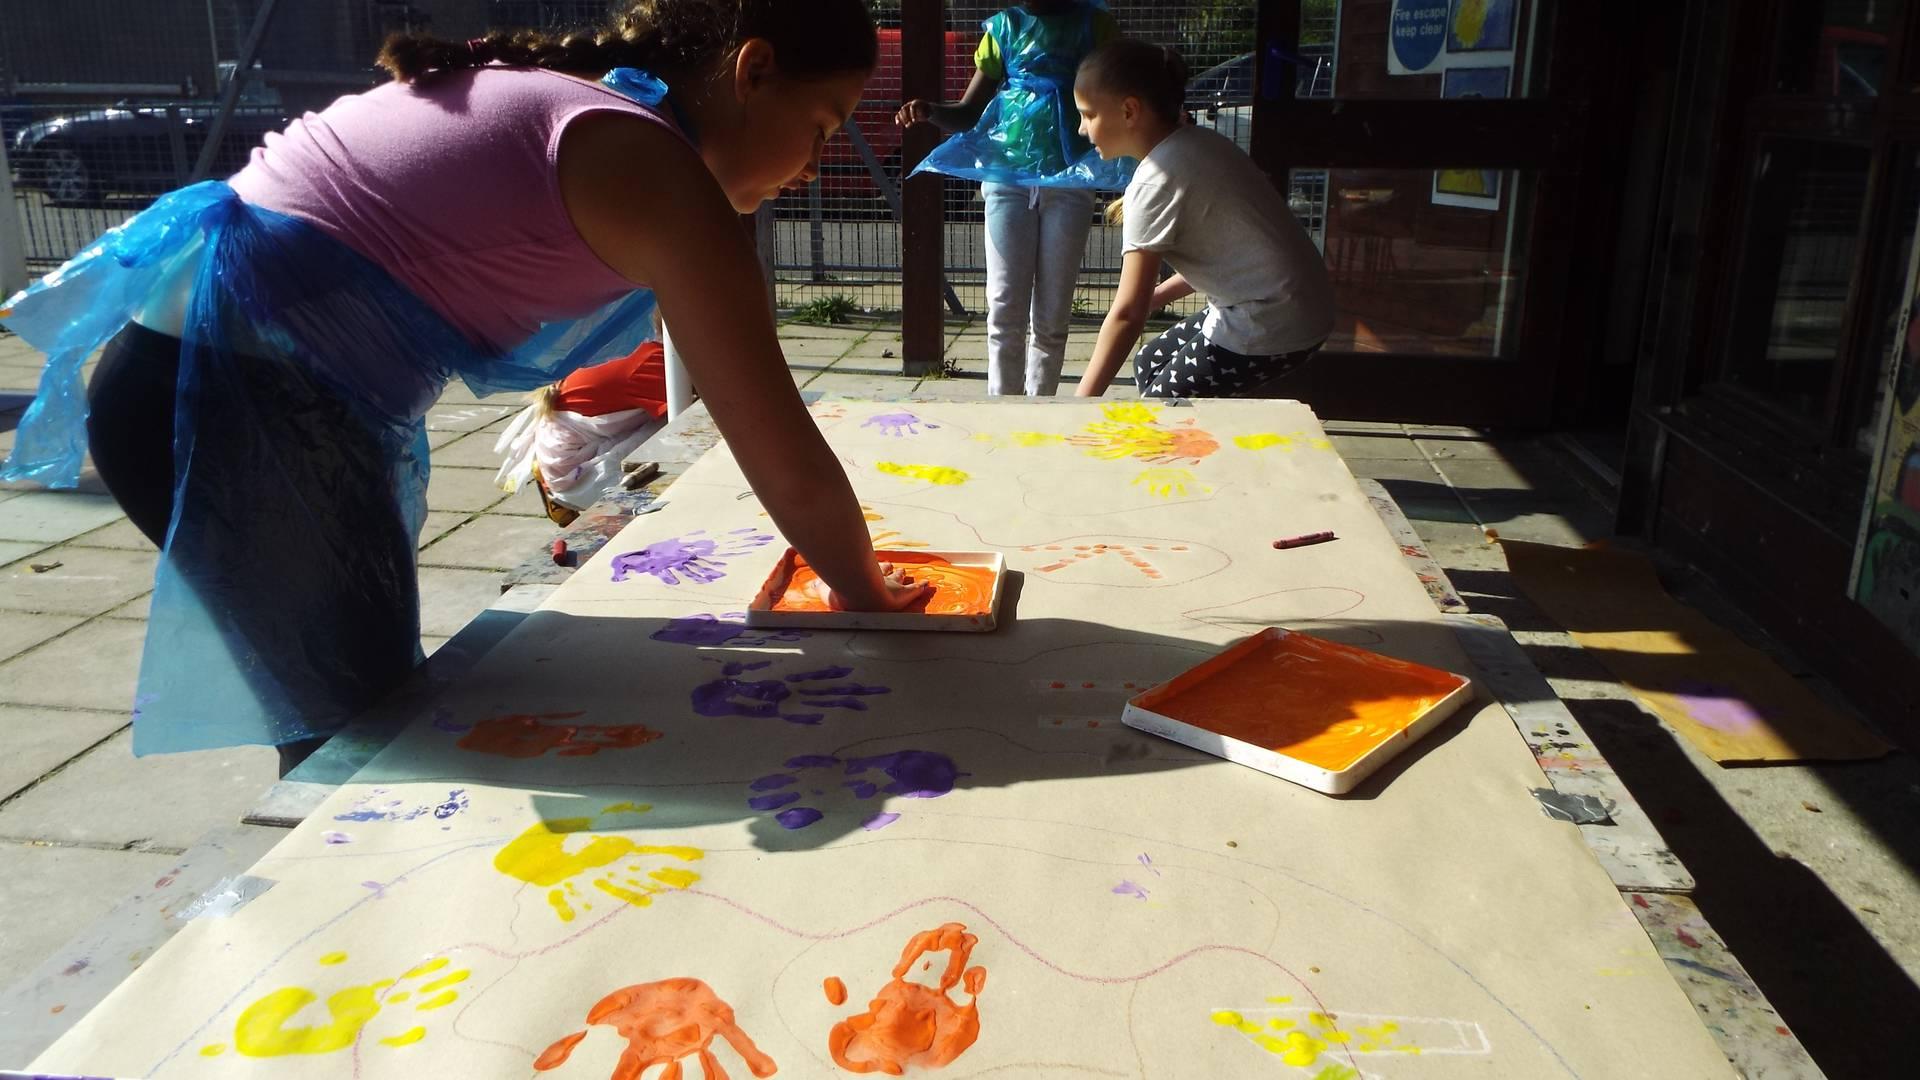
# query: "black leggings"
1182,363
316,491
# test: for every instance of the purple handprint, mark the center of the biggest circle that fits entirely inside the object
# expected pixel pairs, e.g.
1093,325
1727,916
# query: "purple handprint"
769,698
701,561
898,424
916,774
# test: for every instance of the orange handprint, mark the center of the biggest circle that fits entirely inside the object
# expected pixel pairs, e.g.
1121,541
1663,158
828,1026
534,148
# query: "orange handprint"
664,1022
910,1024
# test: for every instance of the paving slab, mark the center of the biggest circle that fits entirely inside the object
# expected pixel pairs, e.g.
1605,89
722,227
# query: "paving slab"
449,598
122,535
139,608
1376,447
94,666
49,894
108,797
39,740
473,451
794,330
1393,469
815,350
53,516
453,488
14,550
952,387
491,542
456,417
863,386
21,630
441,522
523,503
88,581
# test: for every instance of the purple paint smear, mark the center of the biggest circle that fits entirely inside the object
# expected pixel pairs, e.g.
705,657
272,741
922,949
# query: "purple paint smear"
366,808
769,698
898,424
336,838
1128,888
1147,861
700,561
443,721
915,774
703,630
1719,708
797,818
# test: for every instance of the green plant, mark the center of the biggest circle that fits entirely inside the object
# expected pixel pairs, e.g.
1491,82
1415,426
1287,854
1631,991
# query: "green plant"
837,308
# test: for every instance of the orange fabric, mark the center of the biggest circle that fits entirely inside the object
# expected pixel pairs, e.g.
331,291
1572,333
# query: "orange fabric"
638,381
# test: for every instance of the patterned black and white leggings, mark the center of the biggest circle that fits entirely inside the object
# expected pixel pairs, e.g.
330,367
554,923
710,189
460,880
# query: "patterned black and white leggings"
1183,363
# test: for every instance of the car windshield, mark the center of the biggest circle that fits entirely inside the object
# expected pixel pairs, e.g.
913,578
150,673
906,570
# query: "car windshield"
1229,83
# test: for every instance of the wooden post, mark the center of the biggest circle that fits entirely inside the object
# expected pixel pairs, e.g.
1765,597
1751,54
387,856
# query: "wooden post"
922,226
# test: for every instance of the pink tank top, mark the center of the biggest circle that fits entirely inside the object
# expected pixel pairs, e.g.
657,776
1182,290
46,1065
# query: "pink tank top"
452,187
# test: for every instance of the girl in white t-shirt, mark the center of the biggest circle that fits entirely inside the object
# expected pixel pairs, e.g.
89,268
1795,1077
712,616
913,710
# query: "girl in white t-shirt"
1202,205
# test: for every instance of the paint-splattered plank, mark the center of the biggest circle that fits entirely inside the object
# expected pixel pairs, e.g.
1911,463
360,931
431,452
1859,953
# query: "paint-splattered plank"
1631,848
43,1003
1424,565
1749,1031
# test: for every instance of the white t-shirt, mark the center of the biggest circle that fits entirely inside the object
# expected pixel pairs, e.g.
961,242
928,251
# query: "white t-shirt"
1210,212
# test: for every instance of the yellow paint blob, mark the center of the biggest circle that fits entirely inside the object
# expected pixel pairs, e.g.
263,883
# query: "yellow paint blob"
445,981
1261,441
333,958
411,1035
1227,1018
1336,1072
431,965
628,808
1036,438
213,1050
397,998
932,474
539,856
1132,412
437,1001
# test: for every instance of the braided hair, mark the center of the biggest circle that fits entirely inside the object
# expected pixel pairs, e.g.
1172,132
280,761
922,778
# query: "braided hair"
810,39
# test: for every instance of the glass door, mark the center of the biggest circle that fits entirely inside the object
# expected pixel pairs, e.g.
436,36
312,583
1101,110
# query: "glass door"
1432,148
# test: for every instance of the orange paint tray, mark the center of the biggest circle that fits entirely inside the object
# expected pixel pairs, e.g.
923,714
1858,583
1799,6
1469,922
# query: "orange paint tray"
970,592
1316,712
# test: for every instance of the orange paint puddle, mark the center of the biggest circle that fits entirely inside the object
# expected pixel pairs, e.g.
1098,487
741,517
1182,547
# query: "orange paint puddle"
1320,702
523,736
957,590
836,990
663,1023
910,1024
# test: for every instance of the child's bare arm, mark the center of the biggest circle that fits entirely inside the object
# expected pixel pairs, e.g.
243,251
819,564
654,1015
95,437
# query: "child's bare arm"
958,116
1174,288
1132,303
645,203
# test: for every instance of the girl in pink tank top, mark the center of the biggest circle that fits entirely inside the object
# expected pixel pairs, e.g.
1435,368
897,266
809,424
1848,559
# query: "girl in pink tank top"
507,209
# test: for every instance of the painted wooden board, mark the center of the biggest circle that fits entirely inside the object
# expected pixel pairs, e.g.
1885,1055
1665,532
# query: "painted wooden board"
638,811
1631,848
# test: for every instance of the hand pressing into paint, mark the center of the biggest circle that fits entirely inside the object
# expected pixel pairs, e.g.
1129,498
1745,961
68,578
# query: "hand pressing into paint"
900,593
908,1023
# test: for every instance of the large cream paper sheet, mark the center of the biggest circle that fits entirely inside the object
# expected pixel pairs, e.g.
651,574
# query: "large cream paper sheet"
640,835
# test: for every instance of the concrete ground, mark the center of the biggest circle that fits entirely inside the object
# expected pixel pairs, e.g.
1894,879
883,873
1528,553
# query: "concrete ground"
1811,873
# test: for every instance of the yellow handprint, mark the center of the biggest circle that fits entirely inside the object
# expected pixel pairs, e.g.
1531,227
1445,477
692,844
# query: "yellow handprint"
262,1031
1168,482
932,474
539,856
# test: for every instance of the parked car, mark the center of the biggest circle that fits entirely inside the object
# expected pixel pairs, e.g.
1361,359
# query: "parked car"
129,147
